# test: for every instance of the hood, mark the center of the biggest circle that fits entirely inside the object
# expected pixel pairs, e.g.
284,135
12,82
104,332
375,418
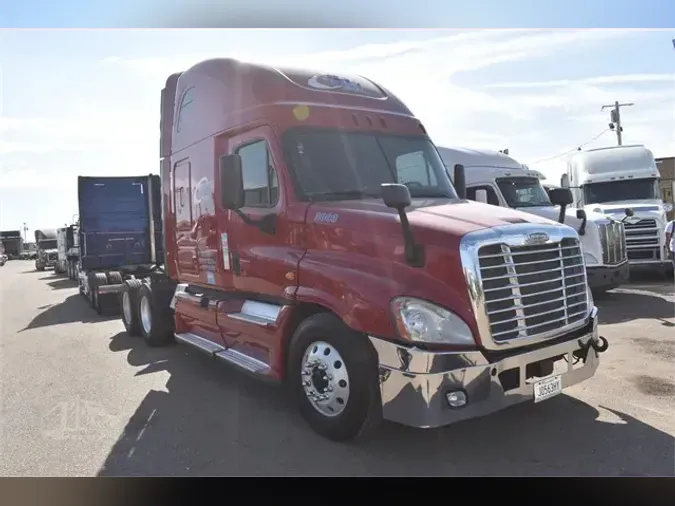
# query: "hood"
552,212
359,246
426,216
652,208
642,205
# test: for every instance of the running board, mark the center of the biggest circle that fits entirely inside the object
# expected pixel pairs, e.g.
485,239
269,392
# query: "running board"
229,356
245,362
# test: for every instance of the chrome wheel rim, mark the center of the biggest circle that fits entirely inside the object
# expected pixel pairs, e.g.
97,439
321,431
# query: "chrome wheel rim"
325,379
126,307
146,316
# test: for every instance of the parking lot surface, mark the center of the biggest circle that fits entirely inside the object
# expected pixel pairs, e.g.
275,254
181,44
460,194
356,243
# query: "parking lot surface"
78,397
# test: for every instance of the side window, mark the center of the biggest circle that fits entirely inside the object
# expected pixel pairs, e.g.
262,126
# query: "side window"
492,198
261,185
188,99
413,168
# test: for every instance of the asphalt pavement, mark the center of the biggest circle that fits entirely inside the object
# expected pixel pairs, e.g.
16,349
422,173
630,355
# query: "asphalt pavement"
78,397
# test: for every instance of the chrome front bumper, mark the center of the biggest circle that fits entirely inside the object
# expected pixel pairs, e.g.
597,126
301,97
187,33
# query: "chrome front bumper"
414,382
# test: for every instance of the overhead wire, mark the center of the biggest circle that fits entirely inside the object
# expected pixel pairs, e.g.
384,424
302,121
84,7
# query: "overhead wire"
571,150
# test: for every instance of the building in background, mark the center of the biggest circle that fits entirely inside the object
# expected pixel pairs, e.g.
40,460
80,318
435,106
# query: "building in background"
666,168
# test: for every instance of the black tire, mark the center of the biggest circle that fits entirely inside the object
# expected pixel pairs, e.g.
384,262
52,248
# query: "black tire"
160,322
96,280
130,317
362,413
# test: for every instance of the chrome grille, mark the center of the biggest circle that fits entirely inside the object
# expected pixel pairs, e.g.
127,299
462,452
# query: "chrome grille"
532,290
642,239
613,241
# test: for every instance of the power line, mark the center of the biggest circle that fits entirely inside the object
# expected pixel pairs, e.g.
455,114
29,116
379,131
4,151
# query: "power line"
578,148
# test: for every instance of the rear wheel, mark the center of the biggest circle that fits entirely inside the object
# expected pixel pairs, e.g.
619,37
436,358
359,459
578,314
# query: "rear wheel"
130,306
156,319
96,280
332,374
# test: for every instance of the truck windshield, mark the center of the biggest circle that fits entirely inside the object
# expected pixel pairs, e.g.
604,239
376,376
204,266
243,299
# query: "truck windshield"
613,191
523,192
335,165
50,244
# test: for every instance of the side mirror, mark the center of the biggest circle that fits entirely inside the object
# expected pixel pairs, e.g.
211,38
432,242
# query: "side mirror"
629,212
460,181
581,215
481,196
396,196
231,182
561,196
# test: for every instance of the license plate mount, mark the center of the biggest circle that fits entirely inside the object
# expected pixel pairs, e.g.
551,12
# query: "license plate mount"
547,388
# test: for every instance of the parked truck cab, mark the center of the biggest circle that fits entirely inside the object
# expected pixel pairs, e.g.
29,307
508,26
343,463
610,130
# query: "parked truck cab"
612,179
508,183
47,252
312,237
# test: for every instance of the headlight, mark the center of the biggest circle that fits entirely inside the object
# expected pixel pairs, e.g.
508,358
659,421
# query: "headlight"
422,321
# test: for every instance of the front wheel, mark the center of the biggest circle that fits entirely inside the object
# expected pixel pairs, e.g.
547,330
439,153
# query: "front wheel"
332,375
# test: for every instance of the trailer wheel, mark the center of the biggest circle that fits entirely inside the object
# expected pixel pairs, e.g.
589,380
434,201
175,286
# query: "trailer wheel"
155,315
130,306
95,280
333,376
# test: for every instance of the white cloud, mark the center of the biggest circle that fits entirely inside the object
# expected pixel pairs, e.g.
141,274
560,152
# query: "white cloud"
615,79
533,119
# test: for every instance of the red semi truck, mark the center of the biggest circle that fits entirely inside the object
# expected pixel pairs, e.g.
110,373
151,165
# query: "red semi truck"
312,237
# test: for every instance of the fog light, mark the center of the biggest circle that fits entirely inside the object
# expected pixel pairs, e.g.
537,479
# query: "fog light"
456,399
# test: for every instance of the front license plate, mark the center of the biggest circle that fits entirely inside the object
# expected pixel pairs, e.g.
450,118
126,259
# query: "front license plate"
547,388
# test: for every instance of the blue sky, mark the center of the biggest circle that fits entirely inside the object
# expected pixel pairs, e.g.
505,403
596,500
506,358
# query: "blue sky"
87,102
352,13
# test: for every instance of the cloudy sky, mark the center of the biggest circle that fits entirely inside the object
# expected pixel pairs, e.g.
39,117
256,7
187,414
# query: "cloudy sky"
87,102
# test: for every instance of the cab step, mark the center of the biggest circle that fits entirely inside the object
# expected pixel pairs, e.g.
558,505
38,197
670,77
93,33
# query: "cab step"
258,313
230,356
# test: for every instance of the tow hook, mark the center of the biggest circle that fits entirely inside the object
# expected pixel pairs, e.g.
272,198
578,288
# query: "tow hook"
600,346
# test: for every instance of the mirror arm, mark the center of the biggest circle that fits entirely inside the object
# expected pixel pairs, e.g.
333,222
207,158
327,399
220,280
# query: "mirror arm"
414,253
582,227
561,216
265,224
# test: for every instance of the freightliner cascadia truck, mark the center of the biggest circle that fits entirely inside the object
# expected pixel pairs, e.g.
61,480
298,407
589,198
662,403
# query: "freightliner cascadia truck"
312,237
506,182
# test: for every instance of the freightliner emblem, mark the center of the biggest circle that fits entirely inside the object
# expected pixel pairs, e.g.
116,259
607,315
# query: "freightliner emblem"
536,238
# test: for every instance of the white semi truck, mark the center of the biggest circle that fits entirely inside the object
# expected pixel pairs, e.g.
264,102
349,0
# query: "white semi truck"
495,178
613,179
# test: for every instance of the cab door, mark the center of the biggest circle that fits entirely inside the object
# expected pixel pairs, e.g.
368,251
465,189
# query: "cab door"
261,261
264,264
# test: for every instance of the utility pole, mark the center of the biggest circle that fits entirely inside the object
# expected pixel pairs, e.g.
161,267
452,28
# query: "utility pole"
615,118
25,232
